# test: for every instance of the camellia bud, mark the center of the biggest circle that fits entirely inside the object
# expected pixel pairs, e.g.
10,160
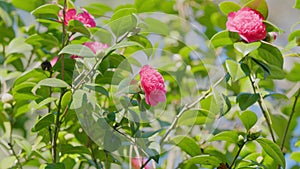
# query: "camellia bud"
271,37
254,133
7,98
241,140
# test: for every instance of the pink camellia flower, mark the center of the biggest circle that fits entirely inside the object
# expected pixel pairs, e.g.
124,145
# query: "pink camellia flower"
84,17
248,23
138,162
153,85
96,47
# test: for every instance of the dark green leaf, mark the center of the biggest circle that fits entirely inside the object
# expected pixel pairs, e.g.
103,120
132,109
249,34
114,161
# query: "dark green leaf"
259,5
42,40
187,144
224,38
248,118
55,166
43,122
202,160
97,88
273,150
226,7
229,136
245,100
5,17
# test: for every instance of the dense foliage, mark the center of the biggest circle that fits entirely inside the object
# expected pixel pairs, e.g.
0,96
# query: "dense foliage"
153,84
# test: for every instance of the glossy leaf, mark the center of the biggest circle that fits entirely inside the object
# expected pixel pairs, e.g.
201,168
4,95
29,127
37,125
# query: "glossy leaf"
235,70
187,144
201,159
246,48
55,166
245,100
42,40
78,50
98,9
248,118
226,7
123,21
259,5
77,26
224,38
46,9
272,150
230,136
51,82
43,122
27,5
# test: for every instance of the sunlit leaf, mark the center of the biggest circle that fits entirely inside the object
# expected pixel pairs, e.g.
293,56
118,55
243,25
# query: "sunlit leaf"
187,144
248,118
226,7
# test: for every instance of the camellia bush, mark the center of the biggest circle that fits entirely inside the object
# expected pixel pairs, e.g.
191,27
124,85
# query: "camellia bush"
153,84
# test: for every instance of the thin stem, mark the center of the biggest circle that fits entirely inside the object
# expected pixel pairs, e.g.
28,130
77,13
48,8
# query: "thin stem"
93,153
290,119
187,107
56,129
263,108
29,60
64,34
144,165
10,144
237,154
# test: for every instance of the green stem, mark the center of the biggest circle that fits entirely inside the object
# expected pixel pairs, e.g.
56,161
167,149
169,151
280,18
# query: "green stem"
290,119
263,108
90,145
10,144
56,129
237,154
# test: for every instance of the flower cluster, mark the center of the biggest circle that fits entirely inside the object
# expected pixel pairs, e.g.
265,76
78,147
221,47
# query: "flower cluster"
248,23
84,17
153,85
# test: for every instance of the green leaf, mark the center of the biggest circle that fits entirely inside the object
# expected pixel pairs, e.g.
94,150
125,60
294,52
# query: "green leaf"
245,100
152,27
246,48
293,35
46,9
42,40
44,103
8,162
77,26
297,4
28,5
248,118
25,145
77,49
234,69
43,122
97,88
259,5
224,38
187,144
202,160
230,136
123,21
55,166
97,9
295,156
272,150
50,82
5,17
193,117
18,45
70,149
124,44
226,7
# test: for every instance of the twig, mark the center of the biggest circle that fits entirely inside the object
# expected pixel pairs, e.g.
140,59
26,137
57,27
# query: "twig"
290,119
10,144
263,108
187,107
237,154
